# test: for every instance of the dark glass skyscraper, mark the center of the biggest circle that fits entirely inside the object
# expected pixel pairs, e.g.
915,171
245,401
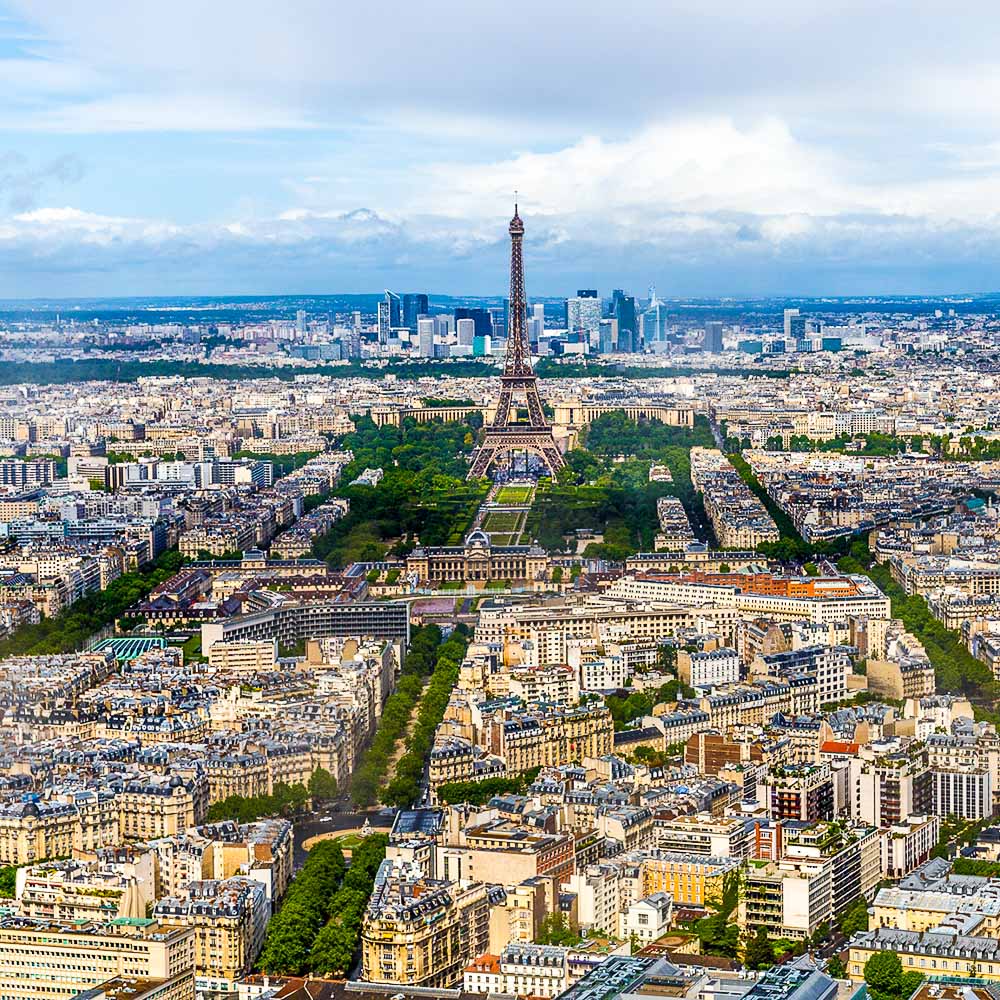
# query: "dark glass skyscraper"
623,310
414,305
481,317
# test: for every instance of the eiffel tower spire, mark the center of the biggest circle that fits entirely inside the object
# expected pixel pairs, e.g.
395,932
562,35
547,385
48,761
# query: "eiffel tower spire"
518,383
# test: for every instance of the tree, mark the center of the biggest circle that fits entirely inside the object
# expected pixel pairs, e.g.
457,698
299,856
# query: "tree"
555,930
884,975
322,785
886,980
759,951
835,968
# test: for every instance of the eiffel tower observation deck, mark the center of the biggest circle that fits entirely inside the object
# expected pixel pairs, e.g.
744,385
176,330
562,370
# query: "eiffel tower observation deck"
505,437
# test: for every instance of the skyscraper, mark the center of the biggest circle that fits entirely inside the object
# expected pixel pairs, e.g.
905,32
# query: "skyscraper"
425,337
608,334
653,319
388,316
383,322
466,329
623,310
789,313
583,315
481,317
395,315
414,306
536,326
713,337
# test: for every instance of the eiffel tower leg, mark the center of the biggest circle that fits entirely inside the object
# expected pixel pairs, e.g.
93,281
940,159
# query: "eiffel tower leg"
502,416
536,415
553,459
481,461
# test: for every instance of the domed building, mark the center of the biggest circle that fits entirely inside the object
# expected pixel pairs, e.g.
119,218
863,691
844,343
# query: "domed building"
478,562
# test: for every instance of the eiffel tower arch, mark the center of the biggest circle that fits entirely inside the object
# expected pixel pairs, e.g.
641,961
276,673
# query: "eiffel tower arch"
505,434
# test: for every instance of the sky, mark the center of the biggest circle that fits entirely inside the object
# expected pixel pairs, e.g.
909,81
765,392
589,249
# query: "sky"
708,148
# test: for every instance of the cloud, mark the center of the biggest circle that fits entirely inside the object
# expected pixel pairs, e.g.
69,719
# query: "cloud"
740,147
63,251
532,69
21,184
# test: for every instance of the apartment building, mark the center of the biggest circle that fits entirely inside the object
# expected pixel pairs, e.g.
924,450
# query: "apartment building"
705,835
535,970
708,668
798,792
41,960
229,919
908,844
423,932
927,953
551,736
688,878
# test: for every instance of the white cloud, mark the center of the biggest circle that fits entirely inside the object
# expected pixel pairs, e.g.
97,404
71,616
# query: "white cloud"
645,135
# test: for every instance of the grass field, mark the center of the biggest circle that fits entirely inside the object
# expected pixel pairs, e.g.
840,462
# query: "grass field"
502,521
514,495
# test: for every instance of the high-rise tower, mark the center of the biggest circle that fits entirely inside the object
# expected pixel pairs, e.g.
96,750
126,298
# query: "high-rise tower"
518,384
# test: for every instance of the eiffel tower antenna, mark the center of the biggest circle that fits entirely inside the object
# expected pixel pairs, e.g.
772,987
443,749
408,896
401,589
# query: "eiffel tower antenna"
518,383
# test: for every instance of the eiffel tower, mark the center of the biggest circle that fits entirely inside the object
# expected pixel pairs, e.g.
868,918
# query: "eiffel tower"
518,385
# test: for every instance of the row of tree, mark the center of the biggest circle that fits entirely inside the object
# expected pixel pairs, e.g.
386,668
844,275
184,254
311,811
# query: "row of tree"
421,657
335,947
968,446
287,800
404,788
478,793
956,670
307,906
103,370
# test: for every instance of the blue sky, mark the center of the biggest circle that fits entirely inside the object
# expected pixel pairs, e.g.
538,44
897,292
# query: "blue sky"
709,148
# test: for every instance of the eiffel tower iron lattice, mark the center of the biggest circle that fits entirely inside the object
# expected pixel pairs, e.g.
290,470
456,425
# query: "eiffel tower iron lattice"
518,385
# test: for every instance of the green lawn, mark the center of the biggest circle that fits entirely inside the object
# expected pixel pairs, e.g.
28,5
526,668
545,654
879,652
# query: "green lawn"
502,521
514,495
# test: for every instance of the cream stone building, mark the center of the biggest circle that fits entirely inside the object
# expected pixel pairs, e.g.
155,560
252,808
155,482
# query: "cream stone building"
41,960
477,562
423,933
229,919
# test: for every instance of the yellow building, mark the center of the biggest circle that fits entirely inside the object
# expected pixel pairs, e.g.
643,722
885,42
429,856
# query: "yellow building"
423,933
552,736
689,878
51,828
243,774
160,806
929,954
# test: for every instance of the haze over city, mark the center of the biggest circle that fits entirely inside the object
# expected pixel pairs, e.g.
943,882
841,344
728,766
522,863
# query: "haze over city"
771,148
